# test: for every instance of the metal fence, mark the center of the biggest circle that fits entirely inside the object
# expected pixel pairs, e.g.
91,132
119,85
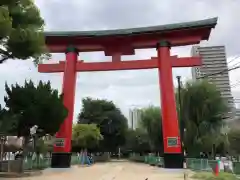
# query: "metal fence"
38,163
43,163
201,164
192,163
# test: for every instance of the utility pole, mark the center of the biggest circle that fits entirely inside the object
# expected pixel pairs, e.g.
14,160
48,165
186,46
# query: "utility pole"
181,121
180,107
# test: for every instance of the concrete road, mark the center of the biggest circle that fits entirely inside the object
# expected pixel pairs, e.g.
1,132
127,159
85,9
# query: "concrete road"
118,170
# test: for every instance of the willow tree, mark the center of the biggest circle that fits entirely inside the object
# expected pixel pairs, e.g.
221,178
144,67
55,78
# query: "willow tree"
151,122
203,112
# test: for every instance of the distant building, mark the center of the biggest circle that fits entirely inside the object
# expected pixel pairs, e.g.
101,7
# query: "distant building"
214,61
134,118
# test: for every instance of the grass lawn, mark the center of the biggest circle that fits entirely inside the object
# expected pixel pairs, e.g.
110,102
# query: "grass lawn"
211,176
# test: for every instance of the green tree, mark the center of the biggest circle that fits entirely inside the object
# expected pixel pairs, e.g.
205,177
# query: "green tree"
86,136
35,105
151,121
2,118
234,141
30,105
137,141
203,111
7,122
42,146
21,31
108,118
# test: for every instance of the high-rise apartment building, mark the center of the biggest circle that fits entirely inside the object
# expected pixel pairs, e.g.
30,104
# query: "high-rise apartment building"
134,118
214,61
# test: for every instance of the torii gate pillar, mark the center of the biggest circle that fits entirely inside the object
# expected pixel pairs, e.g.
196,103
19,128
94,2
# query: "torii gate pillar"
62,148
173,157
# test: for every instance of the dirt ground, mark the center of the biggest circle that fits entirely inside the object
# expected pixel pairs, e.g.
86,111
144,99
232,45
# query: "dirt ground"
119,170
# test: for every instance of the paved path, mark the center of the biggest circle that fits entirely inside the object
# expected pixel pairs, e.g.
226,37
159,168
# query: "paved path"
111,171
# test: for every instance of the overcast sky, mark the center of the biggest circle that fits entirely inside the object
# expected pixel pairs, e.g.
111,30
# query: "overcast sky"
128,88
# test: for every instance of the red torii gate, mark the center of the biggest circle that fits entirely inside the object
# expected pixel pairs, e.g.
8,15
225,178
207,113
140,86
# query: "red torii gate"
116,43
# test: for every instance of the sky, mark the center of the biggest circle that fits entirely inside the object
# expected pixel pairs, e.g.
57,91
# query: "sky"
128,89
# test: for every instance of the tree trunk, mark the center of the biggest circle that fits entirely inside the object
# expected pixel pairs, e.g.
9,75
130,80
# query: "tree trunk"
25,152
1,149
38,159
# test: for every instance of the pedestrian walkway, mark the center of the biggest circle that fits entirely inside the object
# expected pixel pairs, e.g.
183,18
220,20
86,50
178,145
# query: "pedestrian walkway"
110,171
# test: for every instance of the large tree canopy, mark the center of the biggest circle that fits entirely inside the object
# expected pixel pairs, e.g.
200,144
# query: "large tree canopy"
203,111
108,118
21,31
151,121
31,105
234,141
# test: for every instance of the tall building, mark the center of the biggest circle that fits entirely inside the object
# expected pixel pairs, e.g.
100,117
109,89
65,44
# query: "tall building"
214,61
134,117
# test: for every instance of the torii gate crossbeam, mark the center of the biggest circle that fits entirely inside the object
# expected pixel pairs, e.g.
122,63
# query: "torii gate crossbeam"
164,62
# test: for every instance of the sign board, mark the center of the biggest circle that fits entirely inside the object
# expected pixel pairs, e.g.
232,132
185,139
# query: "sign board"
172,141
60,142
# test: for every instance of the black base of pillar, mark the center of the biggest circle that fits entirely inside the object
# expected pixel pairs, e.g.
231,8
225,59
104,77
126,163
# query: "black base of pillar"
173,161
61,160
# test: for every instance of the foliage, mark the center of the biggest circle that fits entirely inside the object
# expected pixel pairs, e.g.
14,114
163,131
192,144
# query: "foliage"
31,105
41,146
86,136
7,121
108,118
234,141
203,112
137,141
2,125
44,144
151,121
21,31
